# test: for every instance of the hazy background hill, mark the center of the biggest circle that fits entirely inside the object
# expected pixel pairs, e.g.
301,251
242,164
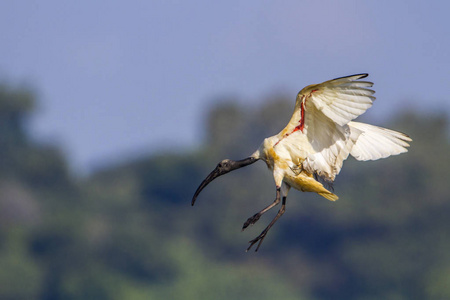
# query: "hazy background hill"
128,231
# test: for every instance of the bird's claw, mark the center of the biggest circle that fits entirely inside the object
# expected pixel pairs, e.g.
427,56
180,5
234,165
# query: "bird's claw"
259,239
297,169
250,221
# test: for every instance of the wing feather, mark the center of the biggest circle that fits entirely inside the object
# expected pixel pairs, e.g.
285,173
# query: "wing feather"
336,105
377,142
322,112
327,162
321,134
329,107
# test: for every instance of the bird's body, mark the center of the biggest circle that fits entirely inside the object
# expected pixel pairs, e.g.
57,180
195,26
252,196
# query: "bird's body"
285,163
316,141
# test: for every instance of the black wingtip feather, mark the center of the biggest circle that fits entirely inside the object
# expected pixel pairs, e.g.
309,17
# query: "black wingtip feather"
362,75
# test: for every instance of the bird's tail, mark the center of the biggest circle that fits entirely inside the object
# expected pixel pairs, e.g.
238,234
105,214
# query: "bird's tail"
329,195
305,182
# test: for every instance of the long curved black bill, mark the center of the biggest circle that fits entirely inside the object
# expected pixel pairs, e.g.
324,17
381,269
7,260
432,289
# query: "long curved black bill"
223,167
213,175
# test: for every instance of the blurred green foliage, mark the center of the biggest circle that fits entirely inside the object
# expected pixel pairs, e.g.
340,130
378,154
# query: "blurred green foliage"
129,232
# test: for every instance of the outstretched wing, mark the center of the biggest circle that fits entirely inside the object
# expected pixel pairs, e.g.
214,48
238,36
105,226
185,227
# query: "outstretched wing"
341,100
322,112
376,142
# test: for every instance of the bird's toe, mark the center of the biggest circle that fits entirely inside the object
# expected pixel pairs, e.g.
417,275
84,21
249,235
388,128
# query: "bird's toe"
250,221
259,239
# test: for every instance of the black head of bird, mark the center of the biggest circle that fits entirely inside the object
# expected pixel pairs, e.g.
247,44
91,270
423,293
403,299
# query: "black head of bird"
223,167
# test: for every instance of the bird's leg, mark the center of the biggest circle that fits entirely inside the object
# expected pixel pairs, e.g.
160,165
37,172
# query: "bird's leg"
252,220
263,234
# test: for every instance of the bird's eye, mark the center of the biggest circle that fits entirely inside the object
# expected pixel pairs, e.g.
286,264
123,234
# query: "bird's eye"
223,164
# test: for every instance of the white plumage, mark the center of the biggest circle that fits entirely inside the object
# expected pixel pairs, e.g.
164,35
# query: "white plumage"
328,110
376,142
319,137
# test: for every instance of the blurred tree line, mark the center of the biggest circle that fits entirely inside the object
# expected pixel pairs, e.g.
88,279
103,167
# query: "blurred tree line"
129,232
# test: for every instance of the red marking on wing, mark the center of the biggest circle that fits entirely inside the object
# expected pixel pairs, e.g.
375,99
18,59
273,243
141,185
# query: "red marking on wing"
301,123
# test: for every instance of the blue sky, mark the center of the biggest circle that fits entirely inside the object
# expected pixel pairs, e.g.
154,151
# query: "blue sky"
117,78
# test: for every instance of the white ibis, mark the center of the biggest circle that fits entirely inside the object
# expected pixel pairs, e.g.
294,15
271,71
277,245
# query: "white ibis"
316,141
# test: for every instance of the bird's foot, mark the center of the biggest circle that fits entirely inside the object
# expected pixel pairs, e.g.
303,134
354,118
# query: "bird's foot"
297,169
252,220
259,239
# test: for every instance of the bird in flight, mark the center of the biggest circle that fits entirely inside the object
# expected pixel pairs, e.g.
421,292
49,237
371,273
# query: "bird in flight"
315,143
